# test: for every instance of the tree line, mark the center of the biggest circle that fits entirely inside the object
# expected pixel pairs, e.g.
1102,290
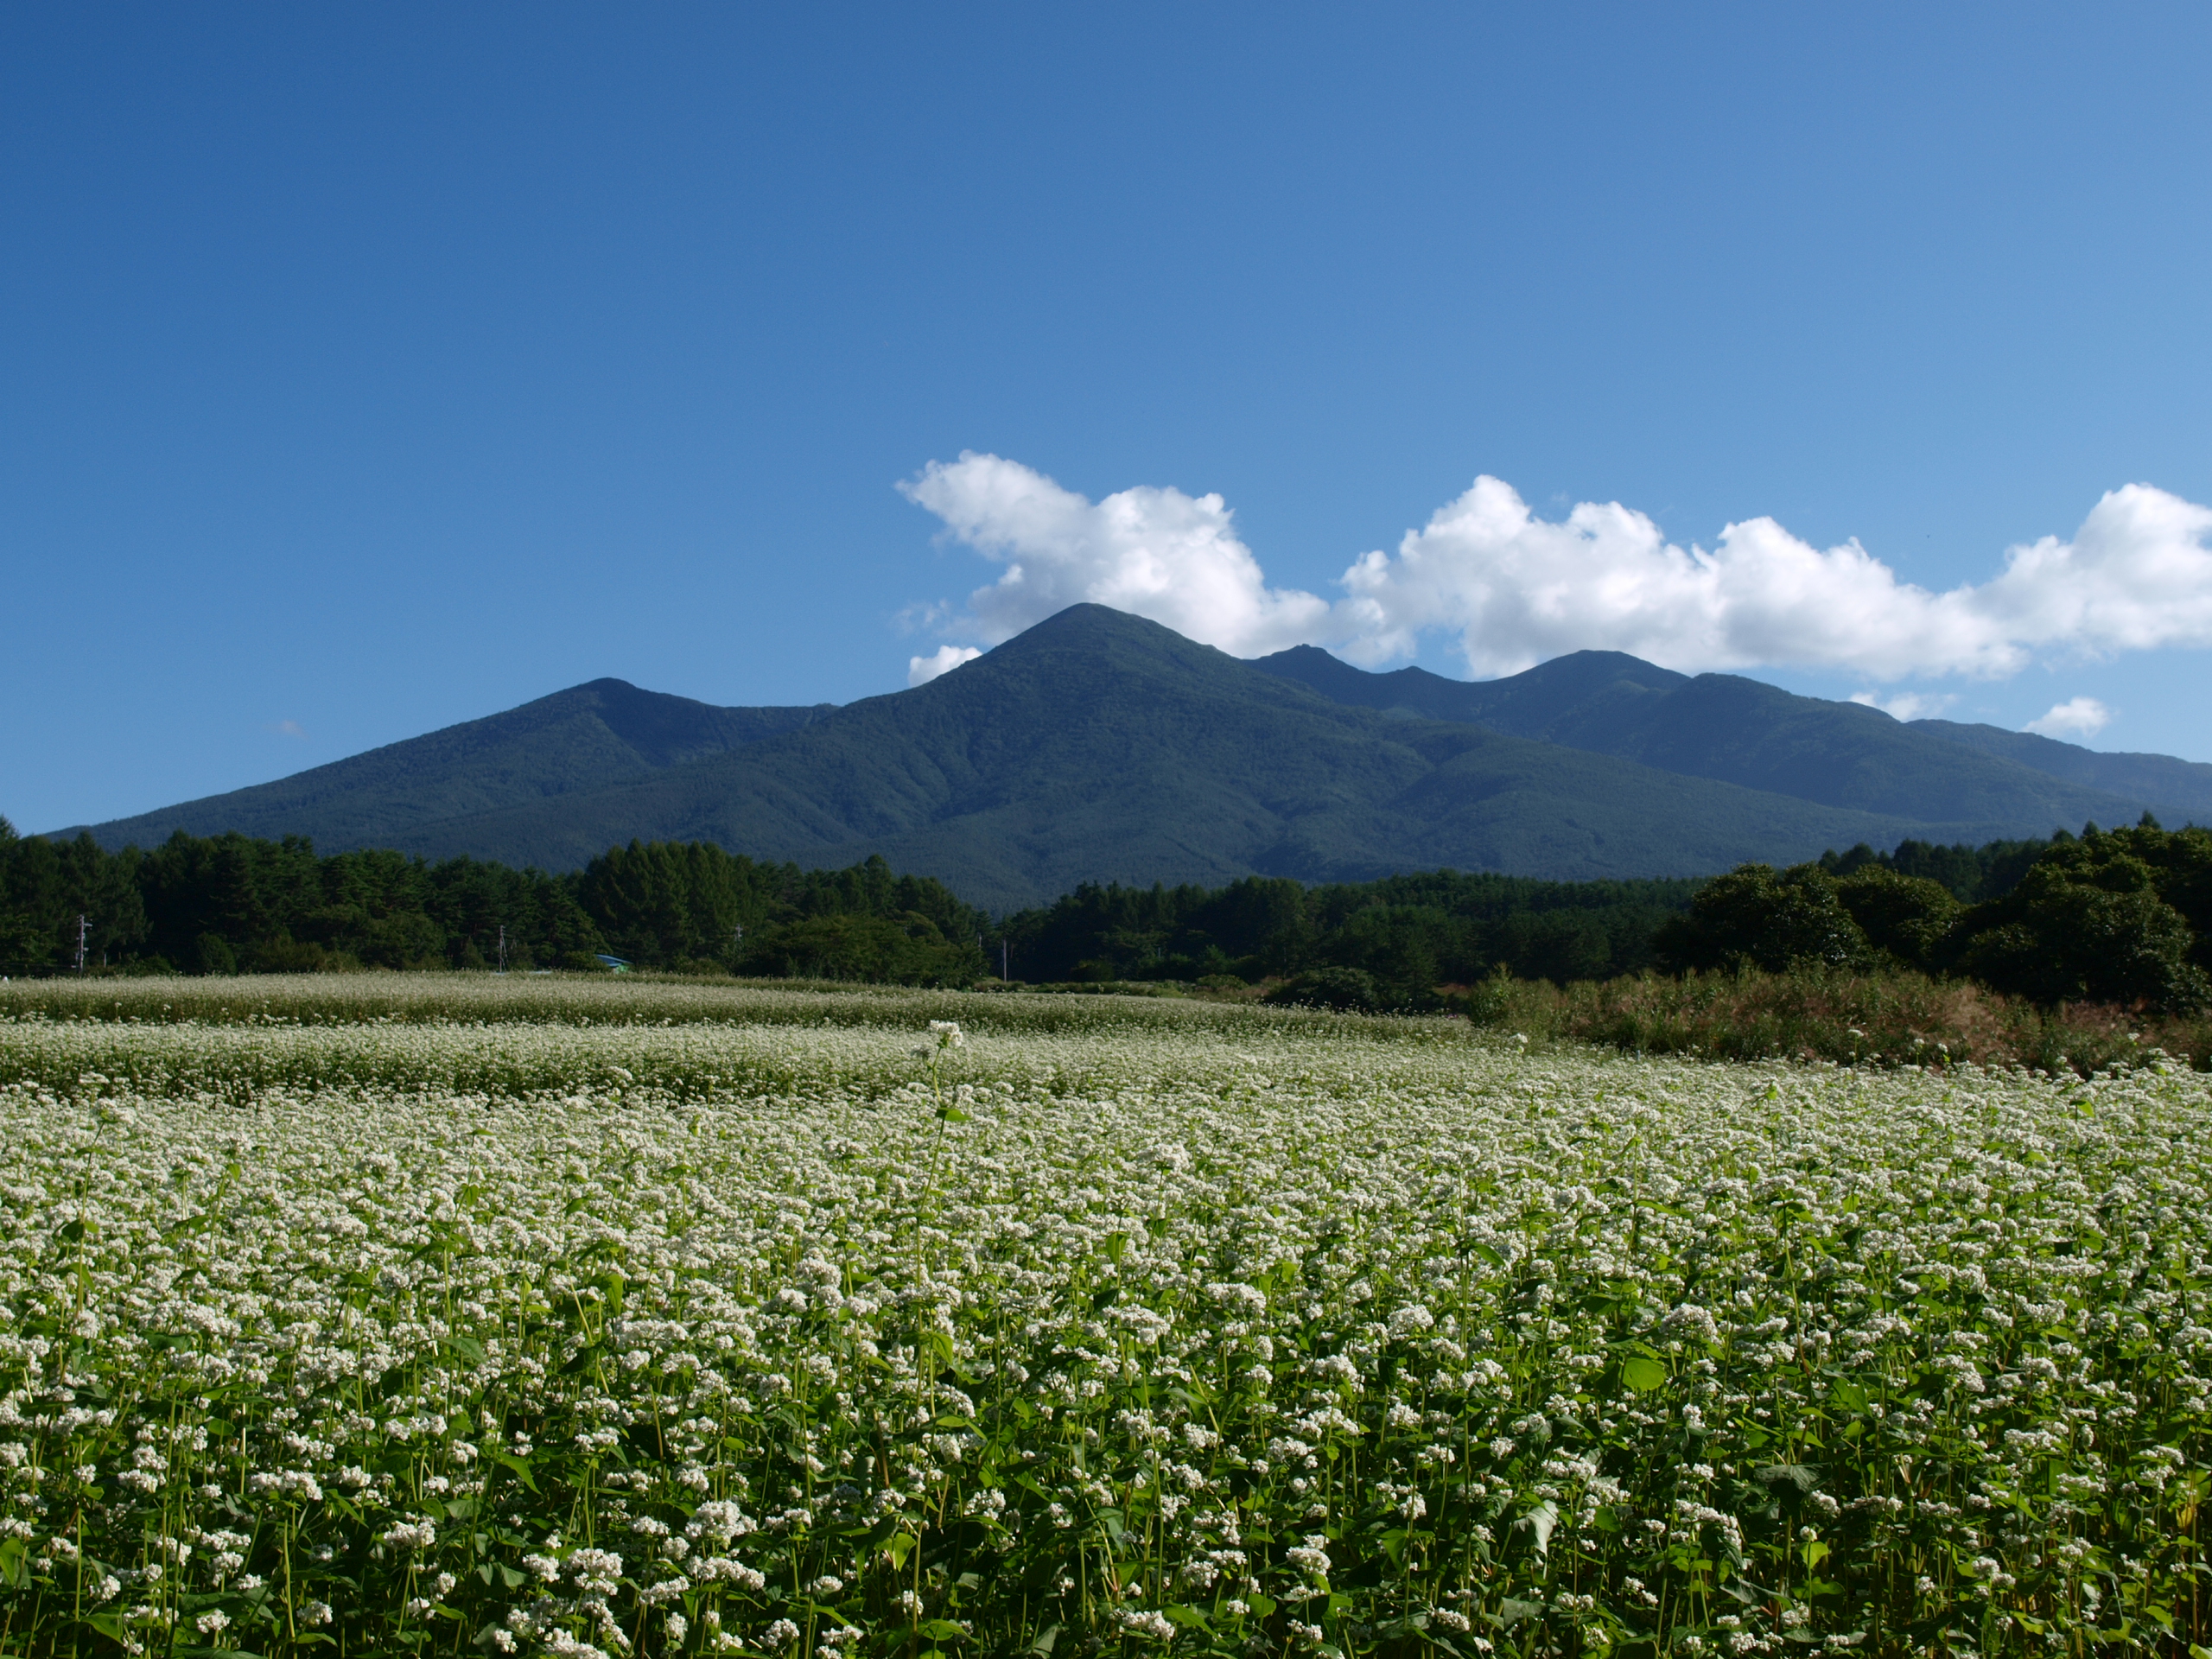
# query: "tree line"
1407,932
2122,915
235,904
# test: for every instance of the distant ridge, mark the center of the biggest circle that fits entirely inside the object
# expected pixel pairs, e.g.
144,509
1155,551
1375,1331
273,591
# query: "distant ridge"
1744,731
1098,746
2179,791
586,738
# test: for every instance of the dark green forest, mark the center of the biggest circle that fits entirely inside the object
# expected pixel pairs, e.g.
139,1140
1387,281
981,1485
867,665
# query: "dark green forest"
2121,916
1409,930
233,904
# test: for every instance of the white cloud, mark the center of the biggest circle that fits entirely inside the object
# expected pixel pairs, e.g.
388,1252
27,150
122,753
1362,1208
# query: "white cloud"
921,670
2075,718
1515,589
1906,705
289,728
1155,553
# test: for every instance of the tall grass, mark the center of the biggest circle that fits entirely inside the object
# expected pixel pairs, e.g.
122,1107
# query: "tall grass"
1851,1019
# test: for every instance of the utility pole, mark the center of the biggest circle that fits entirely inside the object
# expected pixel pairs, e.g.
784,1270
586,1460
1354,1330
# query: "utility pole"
503,947
1002,972
83,927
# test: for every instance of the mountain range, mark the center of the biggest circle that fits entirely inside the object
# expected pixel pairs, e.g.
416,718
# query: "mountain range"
1101,747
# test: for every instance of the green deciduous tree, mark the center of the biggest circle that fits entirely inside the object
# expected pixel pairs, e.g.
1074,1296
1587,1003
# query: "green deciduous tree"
1752,918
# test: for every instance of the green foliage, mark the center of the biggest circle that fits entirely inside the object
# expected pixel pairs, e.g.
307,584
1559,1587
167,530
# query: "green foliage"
231,904
1968,873
1245,1330
905,949
1752,918
2119,917
1345,989
1410,933
1905,917
2122,916
1888,1017
45,886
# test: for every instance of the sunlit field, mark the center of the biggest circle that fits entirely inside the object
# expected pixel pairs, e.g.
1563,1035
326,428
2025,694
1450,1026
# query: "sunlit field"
379,1316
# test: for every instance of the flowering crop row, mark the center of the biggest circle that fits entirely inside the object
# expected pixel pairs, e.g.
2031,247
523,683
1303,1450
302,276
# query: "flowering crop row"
789,1340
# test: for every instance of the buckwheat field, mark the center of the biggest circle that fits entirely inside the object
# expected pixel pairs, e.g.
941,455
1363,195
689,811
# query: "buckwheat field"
489,1316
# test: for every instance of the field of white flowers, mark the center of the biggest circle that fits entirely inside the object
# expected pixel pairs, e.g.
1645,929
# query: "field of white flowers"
627,1320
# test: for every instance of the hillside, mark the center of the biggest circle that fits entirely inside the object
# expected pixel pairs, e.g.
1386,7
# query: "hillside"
2179,791
1744,732
590,736
1098,746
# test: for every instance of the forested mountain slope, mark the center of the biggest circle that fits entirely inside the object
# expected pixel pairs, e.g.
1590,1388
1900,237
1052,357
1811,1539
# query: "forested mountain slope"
1099,747
1743,731
2179,791
585,737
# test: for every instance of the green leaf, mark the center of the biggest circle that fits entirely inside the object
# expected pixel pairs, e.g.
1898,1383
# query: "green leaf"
1802,1476
1642,1374
1043,1645
1189,1618
1262,1606
899,1548
942,1630
517,1466
1541,1520
1513,1610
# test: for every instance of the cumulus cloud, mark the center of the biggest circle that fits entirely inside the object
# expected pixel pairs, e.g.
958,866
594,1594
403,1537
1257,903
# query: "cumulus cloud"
1156,553
1514,589
1906,705
1517,589
921,670
2075,718
289,728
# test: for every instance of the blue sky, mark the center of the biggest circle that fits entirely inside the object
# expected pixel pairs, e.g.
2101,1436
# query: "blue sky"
366,370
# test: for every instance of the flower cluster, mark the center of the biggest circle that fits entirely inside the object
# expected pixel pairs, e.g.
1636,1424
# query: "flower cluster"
767,1337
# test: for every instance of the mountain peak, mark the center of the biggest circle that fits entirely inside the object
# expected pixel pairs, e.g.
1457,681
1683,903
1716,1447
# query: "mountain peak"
1099,745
